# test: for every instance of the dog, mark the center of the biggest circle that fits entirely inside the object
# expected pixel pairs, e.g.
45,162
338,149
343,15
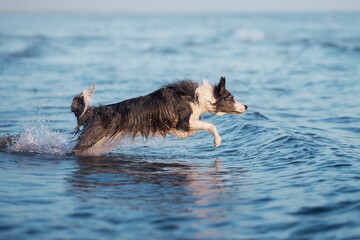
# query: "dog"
173,109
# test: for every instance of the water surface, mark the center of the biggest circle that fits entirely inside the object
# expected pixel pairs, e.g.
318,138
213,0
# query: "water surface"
287,169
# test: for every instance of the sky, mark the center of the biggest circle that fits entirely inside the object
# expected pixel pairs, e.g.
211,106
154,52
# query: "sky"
169,6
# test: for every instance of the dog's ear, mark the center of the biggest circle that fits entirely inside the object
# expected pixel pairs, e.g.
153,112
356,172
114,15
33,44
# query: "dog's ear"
221,86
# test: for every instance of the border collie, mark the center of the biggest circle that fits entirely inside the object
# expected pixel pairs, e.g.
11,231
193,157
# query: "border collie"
173,109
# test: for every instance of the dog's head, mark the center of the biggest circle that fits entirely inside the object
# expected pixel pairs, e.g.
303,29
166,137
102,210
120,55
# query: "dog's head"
225,102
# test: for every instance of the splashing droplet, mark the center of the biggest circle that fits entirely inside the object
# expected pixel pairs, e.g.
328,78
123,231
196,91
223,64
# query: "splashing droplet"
39,139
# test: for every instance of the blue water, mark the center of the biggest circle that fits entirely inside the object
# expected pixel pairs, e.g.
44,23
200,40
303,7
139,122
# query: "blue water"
289,168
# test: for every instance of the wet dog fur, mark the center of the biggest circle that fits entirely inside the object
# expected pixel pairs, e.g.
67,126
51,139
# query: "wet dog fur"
173,109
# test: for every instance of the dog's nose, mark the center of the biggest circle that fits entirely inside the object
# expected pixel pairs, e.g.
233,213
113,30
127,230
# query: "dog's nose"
245,107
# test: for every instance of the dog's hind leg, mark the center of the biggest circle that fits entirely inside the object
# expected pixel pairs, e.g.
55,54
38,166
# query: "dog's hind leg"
211,128
181,134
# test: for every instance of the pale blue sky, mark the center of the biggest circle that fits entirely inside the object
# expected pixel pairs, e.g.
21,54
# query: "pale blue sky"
176,6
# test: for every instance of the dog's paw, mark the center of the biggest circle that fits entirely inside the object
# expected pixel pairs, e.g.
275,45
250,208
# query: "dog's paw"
217,141
191,133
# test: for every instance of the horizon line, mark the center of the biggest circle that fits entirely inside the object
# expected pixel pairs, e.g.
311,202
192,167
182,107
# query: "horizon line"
282,11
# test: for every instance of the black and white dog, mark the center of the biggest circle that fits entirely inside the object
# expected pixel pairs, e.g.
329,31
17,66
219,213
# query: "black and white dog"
173,109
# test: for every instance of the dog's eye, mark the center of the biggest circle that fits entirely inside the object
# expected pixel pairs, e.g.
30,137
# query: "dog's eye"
230,98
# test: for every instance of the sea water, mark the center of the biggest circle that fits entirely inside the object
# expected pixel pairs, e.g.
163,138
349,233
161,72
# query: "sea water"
289,168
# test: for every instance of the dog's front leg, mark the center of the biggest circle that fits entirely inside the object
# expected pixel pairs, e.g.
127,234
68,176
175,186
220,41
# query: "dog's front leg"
181,134
199,125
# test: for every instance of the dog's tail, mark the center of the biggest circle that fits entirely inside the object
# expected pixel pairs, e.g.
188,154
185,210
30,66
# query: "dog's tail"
80,106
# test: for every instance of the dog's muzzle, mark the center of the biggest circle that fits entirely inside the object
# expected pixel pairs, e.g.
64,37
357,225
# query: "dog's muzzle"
240,108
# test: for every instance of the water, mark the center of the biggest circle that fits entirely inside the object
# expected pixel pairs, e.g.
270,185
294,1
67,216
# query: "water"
287,169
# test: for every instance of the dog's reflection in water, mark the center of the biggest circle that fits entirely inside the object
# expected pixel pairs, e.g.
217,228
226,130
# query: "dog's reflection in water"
144,183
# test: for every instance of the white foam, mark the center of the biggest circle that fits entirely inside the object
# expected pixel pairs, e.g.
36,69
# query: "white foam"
250,35
40,139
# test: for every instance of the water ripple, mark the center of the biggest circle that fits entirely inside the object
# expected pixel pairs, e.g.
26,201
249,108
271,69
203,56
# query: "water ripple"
288,168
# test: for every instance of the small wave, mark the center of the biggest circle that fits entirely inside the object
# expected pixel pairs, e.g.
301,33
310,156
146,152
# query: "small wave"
33,46
39,139
341,45
350,129
162,50
28,52
250,35
312,210
258,116
343,120
344,47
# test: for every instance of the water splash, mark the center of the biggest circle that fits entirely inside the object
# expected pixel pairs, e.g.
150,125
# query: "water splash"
38,139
